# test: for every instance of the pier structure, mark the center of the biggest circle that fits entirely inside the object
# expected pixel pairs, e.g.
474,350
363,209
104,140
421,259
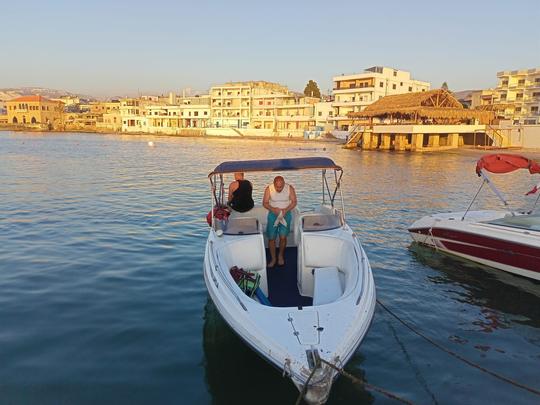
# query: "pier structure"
422,121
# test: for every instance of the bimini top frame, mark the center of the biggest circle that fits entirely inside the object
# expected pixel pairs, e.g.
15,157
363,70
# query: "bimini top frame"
502,163
279,165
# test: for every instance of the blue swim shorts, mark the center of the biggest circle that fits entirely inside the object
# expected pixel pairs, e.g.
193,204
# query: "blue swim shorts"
273,231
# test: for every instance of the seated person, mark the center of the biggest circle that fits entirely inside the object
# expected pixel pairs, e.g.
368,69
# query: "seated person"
279,199
240,194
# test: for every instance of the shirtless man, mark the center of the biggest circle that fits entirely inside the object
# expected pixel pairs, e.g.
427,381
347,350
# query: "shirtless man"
279,199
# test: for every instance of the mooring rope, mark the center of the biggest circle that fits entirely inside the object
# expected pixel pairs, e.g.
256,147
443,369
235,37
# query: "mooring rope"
360,382
354,380
304,388
457,356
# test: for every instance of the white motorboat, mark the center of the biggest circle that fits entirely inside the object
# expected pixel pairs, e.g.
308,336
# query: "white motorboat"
315,309
506,240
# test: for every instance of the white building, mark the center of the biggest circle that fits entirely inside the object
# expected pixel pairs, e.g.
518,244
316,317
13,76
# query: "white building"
520,90
352,93
324,114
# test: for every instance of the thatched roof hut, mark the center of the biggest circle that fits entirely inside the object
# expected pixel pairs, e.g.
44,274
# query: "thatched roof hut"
435,106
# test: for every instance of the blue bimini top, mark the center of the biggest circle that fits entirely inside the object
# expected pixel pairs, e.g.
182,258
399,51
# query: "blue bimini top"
275,165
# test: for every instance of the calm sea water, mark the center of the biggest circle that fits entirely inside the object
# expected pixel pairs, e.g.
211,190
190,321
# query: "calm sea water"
102,298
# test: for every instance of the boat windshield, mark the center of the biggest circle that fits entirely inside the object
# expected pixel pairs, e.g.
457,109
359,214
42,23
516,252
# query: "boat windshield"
529,222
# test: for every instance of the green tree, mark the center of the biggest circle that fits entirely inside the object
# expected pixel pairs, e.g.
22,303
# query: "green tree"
312,89
444,86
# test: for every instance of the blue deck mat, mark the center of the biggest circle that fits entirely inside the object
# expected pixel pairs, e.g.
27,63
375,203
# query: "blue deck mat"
282,287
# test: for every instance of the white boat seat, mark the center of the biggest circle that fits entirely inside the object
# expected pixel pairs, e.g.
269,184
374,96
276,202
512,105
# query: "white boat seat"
326,286
242,226
320,222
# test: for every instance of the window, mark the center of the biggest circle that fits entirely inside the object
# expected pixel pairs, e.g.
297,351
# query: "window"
536,94
196,113
353,98
206,113
505,82
519,96
503,96
521,82
320,113
393,86
518,109
534,109
410,88
261,102
381,84
537,80
401,84
395,73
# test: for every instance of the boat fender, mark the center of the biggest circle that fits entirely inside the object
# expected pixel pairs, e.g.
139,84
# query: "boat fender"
220,213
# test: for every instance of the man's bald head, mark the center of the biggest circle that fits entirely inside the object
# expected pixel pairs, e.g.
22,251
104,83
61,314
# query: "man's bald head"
279,183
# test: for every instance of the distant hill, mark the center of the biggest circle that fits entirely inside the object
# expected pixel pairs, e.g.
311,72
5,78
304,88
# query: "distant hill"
10,93
463,94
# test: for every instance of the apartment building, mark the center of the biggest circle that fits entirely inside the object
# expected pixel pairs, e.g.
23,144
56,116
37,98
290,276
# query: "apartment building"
133,114
520,91
352,93
324,113
283,112
195,111
231,102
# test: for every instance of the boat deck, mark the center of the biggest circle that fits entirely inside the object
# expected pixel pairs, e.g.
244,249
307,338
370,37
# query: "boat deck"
282,282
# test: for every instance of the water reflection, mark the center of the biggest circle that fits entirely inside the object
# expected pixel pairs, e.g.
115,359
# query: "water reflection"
494,291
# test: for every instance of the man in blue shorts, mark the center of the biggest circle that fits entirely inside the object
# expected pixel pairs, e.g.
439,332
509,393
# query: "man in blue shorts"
279,199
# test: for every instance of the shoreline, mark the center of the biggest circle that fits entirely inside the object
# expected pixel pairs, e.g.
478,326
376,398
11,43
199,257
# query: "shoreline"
250,137
325,140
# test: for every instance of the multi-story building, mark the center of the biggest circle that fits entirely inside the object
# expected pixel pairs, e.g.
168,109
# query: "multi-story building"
195,111
35,110
296,113
520,90
231,102
104,107
353,93
324,113
133,114
481,98
283,112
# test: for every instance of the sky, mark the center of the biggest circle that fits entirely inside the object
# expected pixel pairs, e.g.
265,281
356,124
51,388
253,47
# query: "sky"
115,48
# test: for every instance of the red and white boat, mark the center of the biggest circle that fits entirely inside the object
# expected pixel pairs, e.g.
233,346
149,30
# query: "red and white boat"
505,240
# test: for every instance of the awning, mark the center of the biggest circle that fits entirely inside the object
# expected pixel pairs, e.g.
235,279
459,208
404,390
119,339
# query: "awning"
506,163
275,165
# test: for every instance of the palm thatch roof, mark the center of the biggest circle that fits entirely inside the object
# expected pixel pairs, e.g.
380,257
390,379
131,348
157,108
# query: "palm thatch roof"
436,105
494,107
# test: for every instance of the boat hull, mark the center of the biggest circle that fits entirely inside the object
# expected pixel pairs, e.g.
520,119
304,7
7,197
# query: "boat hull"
516,251
268,330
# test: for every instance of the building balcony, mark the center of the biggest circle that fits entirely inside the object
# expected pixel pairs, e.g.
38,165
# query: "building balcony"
362,103
295,118
340,118
353,90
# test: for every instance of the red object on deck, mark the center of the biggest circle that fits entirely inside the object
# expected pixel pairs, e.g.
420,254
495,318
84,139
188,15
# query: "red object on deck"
219,213
506,163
